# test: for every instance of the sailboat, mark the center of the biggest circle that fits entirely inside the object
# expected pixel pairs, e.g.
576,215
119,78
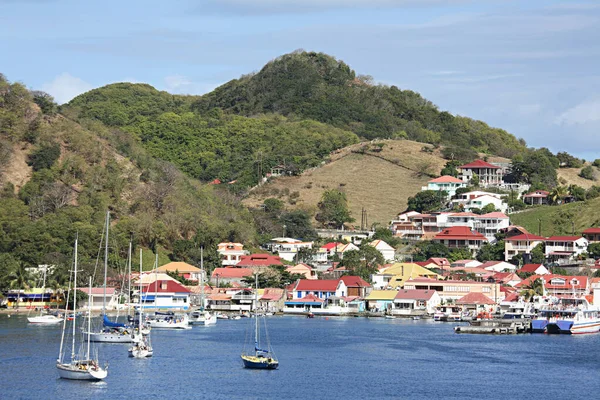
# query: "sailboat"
41,319
79,368
111,332
259,357
202,316
142,346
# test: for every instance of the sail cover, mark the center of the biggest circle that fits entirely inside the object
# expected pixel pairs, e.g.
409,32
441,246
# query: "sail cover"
110,324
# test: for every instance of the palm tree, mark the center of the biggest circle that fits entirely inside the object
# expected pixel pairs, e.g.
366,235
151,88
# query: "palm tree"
535,288
19,278
558,194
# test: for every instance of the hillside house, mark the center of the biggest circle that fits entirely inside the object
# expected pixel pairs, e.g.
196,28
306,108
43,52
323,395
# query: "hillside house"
460,237
488,174
592,235
562,249
287,248
521,244
182,269
231,253
257,261
465,264
387,251
302,269
535,269
537,198
446,183
498,266
478,200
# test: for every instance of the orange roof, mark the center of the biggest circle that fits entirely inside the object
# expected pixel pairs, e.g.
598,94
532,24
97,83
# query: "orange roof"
459,233
475,298
495,214
178,266
446,179
231,272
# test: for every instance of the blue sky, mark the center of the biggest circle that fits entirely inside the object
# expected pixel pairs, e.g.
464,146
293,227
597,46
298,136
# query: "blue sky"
529,66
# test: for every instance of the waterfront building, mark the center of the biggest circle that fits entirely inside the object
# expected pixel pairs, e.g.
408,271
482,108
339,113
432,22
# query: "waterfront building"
97,295
452,290
165,294
381,300
474,303
222,276
356,286
560,285
415,302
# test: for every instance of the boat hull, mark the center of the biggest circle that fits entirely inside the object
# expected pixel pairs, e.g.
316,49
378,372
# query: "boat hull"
573,327
110,337
74,372
253,362
45,320
539,325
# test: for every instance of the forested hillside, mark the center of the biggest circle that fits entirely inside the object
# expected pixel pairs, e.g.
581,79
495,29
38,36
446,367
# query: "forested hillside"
72,174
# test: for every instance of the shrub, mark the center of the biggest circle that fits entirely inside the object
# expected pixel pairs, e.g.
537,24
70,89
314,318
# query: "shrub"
587,173
44,157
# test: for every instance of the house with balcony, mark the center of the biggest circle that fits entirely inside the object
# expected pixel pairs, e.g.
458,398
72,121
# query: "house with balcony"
521,244
231,253
165,295
563,249
287,248
592,235
452,290
461,237
560,285
446,183
536,198
231,299
488,174
490,224
414,302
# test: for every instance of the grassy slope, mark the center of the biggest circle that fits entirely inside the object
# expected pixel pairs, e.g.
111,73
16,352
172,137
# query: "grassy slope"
571,175
381,187
557,220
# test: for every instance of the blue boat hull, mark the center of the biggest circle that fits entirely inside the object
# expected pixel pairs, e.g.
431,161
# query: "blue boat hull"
539,325
260,365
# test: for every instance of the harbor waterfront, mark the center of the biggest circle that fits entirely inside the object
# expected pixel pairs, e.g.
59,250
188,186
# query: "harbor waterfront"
321,357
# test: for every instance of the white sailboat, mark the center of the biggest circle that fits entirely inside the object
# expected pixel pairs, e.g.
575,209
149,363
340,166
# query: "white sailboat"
260,356
142,346
79,368
202,316
41,319
111,332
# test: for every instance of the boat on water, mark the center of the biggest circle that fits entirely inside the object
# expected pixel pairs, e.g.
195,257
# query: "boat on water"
569,315
202,316
80,367
44,319
447,313
168,320
142,345
260,356
111,331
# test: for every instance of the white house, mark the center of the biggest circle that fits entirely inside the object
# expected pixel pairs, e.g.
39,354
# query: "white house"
535,269
415,302
565,248
488,174
446,183
478,199
320,288
165,294
465,264
521,244
387,251
231,253
287,248
341,249
112,299
498,266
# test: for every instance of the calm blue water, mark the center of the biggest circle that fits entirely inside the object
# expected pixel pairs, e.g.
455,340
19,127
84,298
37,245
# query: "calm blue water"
351,358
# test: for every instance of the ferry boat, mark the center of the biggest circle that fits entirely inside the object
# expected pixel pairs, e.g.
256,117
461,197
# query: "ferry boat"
571,315
447,313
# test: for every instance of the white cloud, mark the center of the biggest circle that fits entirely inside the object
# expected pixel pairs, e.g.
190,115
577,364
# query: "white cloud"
176,82
66,86
180,84
580,114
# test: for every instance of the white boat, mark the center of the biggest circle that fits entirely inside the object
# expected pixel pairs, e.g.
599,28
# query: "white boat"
111,332
571,315
223,316
79,368
44,319
202,317
169,321
142,346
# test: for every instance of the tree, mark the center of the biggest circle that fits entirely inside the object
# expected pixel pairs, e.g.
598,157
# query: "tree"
45,156
333,209
19,278
273,206
44,101
538,255
535,288
363,262
386,235
568,161
488,208
596,163
594,249
475,180
426,201
491,252
451,168
426,249
298,225
460,254
587,173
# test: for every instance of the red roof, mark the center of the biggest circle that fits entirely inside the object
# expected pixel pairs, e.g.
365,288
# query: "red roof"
231,272
439,261
98,290
525,236
319,285
259,260
592,230
165,287
475,298
582,281
330,246
354,281
459,233
307,298
479,164
416,294
530,268
272,294
563,238
446,179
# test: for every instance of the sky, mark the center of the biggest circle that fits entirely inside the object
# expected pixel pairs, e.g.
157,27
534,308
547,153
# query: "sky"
527,66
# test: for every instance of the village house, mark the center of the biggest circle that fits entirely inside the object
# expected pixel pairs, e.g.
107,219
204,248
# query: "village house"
229,276
560,285
415,302
387,251
98,299
506,278
272,299
287,248
478,200
231,253
534,269
498,266
460,237
562,249
302,269
393,277
474,303
381,300
446,183
258,261
592,235
165,295
356,286
521,244
182,269
452,290
538,198
488,174
465,264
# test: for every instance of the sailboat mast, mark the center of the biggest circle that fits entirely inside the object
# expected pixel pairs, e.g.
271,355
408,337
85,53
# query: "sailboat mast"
105,263
74,303
256,336
89,319
43,289
202,278
62,336
129,278
140,295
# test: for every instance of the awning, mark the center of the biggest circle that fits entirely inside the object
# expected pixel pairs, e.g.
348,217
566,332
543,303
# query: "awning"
148,298
307,303
561,253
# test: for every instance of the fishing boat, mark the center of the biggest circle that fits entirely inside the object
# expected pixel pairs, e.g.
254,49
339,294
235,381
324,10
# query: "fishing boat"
47,319
79,368
569,315
259,357
142,346
111,332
